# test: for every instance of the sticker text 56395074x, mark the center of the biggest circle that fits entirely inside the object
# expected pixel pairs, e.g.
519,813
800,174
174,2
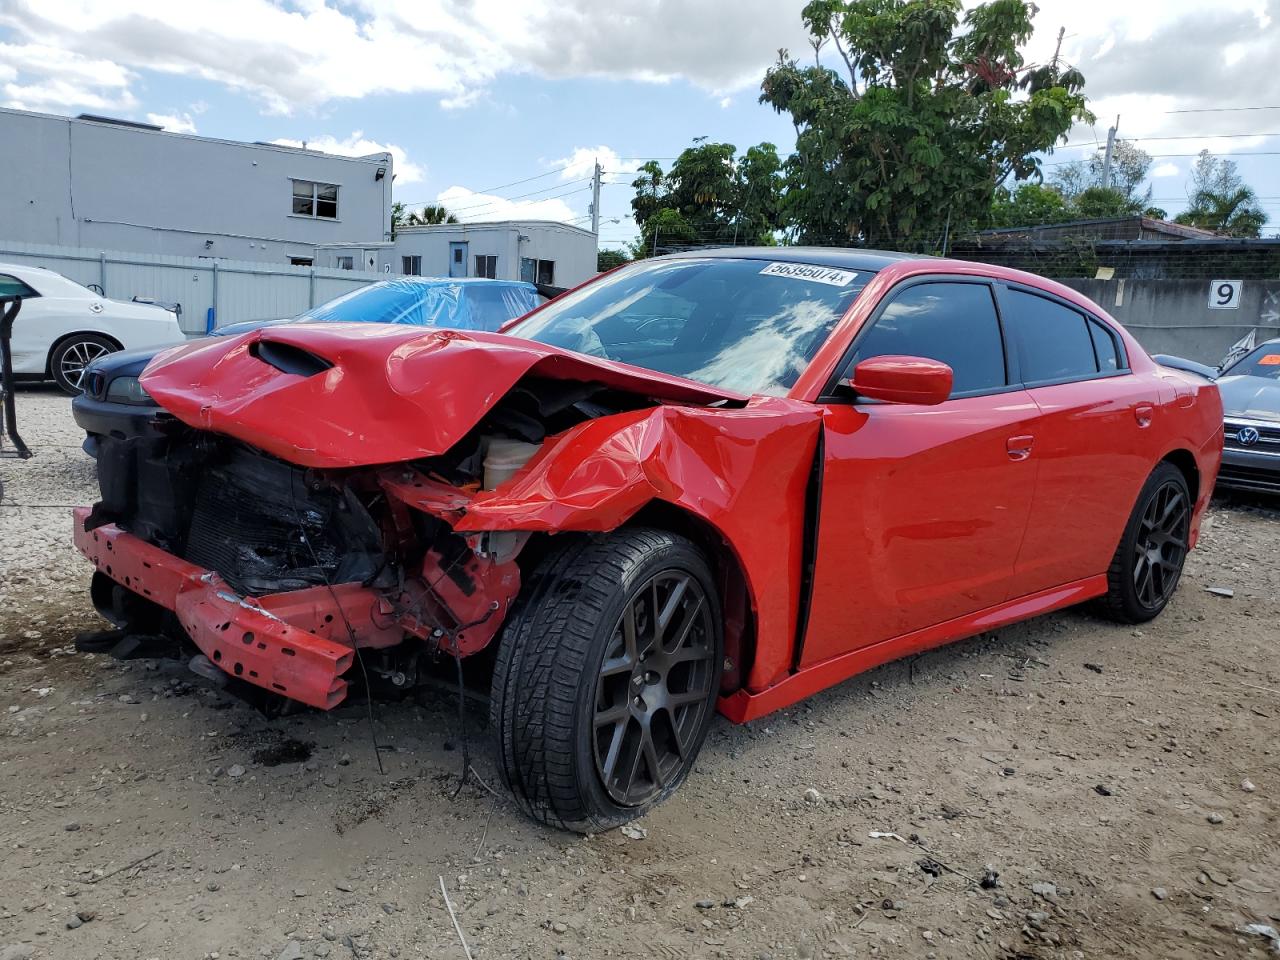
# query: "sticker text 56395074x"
807,271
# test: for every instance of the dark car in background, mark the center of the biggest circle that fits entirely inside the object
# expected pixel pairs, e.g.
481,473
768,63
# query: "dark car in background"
1249,383
115,404
1250,390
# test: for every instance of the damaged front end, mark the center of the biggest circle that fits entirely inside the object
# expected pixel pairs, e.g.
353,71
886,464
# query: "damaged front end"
279,546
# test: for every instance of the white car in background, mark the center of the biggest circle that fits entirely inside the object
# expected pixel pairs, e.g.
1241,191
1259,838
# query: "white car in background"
62,326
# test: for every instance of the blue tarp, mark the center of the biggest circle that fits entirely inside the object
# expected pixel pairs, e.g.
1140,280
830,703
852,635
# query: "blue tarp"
470,304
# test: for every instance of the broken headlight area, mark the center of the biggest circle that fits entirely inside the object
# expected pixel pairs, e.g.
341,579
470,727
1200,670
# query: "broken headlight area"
274,575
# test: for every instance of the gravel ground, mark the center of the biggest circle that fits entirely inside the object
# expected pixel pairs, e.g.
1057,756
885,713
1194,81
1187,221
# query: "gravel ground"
1064,788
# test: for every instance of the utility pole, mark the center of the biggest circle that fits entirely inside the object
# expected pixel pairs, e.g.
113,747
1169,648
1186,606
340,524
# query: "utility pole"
1106,159
1057,51
595,199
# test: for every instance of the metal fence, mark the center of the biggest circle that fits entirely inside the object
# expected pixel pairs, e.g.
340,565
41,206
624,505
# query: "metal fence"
211,292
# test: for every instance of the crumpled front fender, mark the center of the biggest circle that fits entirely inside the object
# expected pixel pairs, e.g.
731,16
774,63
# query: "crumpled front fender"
742,471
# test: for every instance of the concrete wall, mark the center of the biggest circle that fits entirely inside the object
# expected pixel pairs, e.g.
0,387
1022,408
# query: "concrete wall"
236,290
84,183
1173,316
571,248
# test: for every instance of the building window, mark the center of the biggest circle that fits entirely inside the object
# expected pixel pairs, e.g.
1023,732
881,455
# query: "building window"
487,267
346,263
311,199
411,266
301,261
538,271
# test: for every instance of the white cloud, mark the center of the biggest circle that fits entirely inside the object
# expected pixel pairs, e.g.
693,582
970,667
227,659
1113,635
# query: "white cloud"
1165,169
1143,58
726,103
358,145
299,56
471,207
581,163
173,122
46,77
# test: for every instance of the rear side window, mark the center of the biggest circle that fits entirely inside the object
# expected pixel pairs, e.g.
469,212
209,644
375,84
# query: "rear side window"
13,287
1054,342
951,322
1104,348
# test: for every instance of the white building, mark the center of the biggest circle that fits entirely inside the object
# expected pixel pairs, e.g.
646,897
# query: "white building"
119,185
539,251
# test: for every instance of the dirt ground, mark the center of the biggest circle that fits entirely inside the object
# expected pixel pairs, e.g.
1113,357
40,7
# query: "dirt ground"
1122,783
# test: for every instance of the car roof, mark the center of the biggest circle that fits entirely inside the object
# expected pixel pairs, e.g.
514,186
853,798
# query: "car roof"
843,258
455,281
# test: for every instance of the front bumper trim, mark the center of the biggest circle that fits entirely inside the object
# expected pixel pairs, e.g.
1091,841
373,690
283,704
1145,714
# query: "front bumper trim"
244,636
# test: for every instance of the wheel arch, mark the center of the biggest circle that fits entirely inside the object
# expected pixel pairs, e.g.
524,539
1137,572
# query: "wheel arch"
734,588
1186,463
63,338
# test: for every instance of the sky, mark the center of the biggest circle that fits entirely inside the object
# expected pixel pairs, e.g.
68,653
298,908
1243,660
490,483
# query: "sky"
500,108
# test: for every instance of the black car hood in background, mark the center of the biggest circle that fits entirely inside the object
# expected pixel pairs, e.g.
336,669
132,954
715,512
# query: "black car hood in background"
1255,398
131,363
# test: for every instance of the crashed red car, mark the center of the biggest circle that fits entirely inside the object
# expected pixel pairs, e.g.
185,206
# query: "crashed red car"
714,480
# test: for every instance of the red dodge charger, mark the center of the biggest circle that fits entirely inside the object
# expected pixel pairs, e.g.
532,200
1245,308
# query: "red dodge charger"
720,479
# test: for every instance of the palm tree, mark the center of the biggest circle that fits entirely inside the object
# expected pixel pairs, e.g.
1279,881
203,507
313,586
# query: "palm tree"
432,213
1235,212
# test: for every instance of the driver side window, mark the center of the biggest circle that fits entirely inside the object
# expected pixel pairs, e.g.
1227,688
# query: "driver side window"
952,322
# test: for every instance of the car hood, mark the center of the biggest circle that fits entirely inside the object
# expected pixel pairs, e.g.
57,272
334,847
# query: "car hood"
1257,398
357,394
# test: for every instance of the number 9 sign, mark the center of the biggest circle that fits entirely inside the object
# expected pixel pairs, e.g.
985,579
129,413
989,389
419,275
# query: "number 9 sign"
1225,294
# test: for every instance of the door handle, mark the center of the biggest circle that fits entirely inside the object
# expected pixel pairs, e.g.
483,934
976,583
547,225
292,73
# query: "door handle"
1142,413
1019,447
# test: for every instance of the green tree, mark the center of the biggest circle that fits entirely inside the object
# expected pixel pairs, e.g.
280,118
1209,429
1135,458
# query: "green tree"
1098,203
430,215
397,218
609,259
1129,168
935,108
1030,204
709,197
1221,201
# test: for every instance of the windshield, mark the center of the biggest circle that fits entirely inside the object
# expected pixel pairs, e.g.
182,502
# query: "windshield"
751,326
464,306
1263,362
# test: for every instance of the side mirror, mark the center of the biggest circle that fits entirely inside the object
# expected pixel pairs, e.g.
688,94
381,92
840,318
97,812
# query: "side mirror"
896,379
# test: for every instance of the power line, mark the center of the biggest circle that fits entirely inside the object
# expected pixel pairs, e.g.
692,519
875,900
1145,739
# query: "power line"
498,201
1188,136
1221,109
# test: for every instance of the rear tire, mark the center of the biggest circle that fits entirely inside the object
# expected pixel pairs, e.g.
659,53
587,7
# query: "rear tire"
598,715
1148,562
72,355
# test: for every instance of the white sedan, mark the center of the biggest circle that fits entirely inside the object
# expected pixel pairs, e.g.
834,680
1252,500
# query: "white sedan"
62,326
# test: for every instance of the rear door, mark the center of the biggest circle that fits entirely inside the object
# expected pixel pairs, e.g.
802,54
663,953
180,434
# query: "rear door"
922,508
1094,445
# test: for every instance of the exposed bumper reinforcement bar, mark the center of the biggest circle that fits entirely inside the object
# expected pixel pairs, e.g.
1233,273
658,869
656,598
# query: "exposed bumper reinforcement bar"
243,636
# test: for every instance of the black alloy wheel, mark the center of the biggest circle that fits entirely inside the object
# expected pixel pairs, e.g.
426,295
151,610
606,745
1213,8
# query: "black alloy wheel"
606,677
1148,562
1161,545
653,688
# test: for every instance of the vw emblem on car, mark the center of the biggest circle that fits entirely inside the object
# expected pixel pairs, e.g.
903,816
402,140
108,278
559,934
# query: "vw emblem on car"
1248,436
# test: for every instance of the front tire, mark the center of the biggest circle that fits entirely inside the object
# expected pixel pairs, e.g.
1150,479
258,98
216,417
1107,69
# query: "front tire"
606,678
69,359
1148,562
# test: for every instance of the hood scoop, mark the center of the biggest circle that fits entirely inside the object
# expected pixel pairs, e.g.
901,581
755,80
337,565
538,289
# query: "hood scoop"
289,358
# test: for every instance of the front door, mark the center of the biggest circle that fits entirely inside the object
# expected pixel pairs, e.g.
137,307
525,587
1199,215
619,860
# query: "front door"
922,508
458,259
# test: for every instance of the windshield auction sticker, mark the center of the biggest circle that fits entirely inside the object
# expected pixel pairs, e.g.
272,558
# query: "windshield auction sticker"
807,271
